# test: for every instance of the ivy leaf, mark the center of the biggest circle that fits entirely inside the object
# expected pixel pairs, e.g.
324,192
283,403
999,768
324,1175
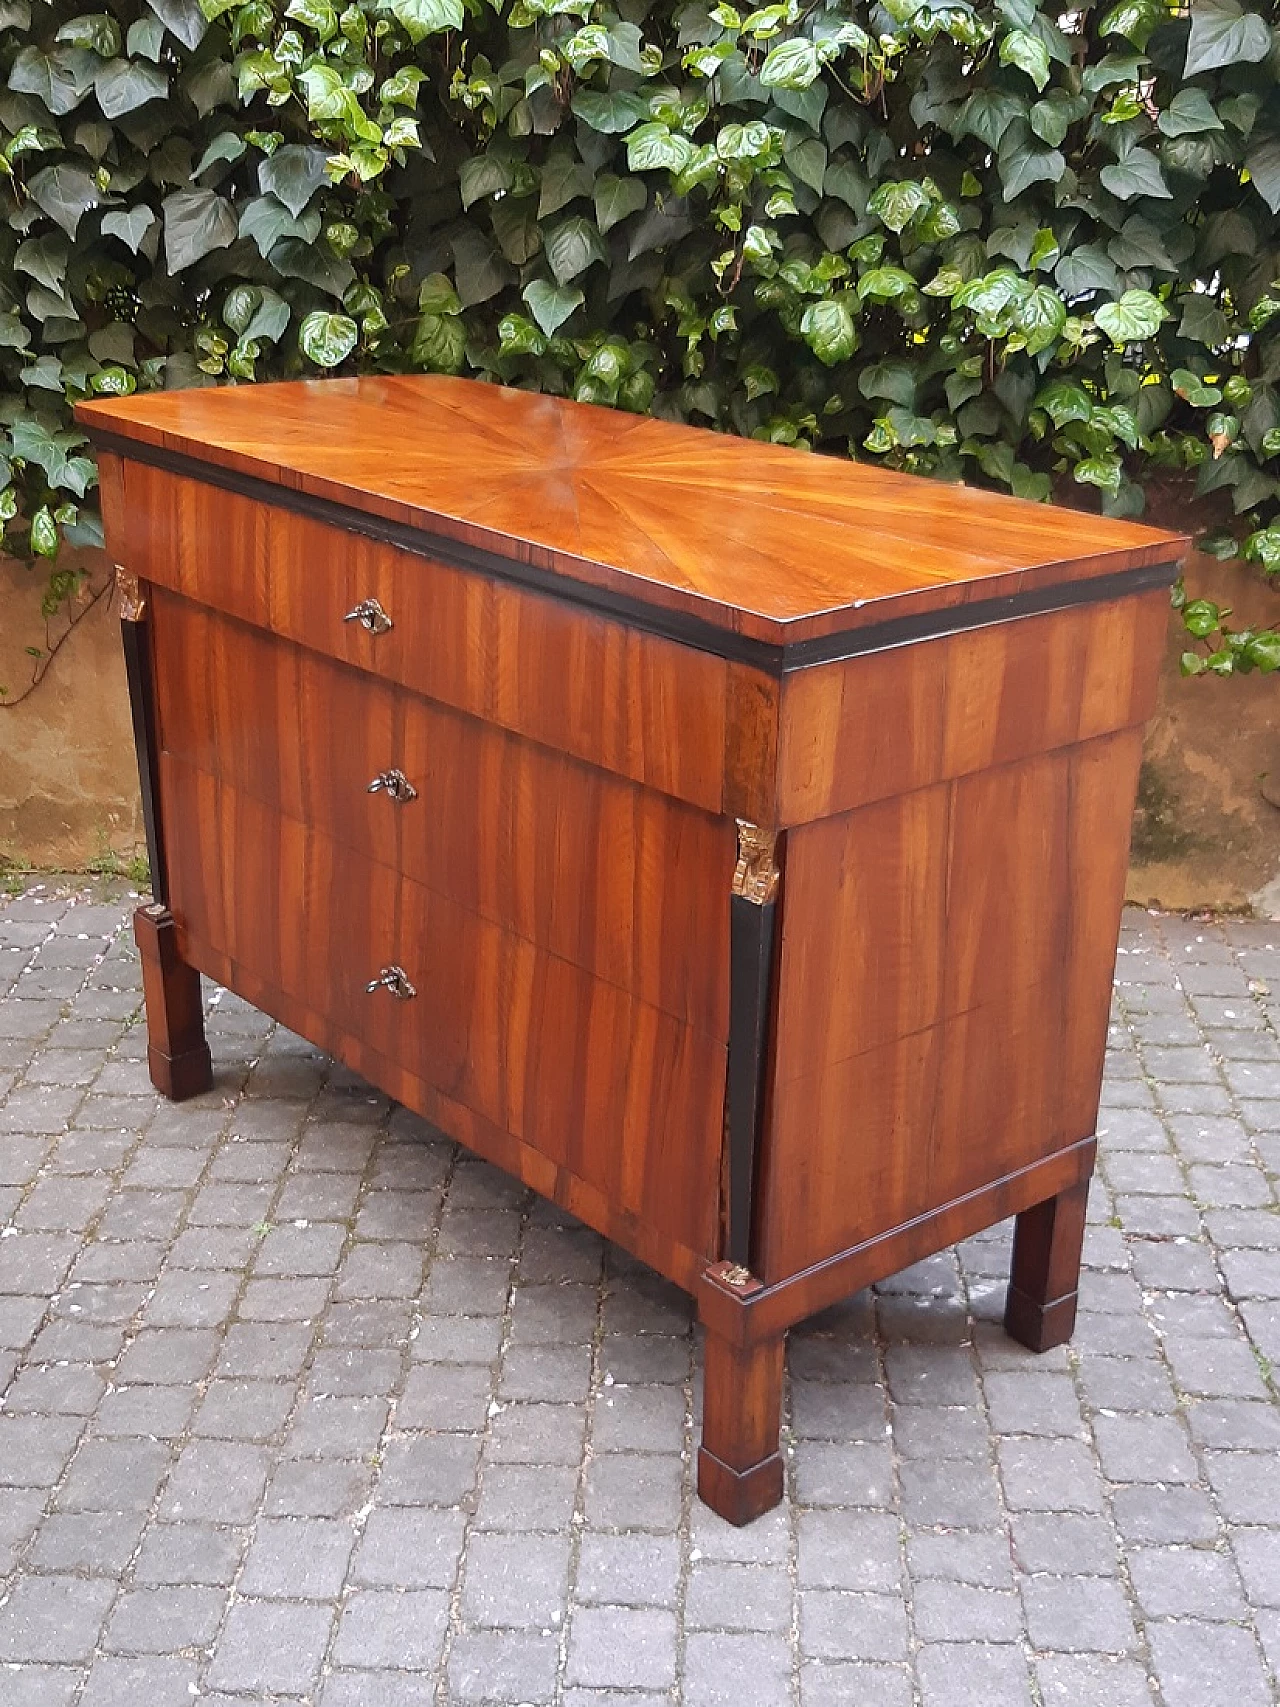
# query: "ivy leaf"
226,146
613,113
60,79
267,221
1138,174
439,343
422,18
551,305
1040,317
615,198
1028,53
1063,400
1029,166
484,175
829,330
1135,316
572,247
44,533
327,339
896,204
65,193
988,113
97,31
655,146
124,84
1203,321
130,226
791,65
44,259
195,223
1134,19
1223,33
1263,162
1105,472
183,19
1188,113
293,175
1085,269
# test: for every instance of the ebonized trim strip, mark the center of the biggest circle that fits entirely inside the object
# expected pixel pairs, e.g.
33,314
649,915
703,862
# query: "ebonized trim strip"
136,638
752,932
680,626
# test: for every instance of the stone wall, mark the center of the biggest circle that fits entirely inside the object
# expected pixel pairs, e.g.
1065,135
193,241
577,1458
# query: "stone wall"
68,781
1206,834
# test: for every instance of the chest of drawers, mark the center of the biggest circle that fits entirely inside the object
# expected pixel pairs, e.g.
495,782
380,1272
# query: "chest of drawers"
727,842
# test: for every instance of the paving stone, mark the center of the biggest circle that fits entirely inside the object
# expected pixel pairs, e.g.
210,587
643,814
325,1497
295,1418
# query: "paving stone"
622,1648
55,1619
1186,1582
629,1570
270,1645
507,1666
382,1629
525,1497
297,1559
180,1553
244,1410
164,1620
1077,1615
726,1670
634,1491
1192,1661
960,1556
215,1481
849,1551
968,1674
515,1580
95,1543
1164,1515
118,1682
1144,1449
1091,1680
409,1549
1049,1475
429,1470
1064,1542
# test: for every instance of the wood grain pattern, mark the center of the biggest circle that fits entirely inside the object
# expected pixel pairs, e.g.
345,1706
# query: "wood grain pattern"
608,1088
754,538
906,1038
630,702
625,882
943,989
883,724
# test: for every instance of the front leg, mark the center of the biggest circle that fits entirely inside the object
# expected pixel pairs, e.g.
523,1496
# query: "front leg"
739,1465
1045,1276
177,1054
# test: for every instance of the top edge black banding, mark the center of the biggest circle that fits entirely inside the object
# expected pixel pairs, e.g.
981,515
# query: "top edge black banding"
687,629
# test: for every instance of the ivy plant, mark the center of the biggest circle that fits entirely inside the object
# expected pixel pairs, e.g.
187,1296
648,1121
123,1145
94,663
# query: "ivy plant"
992,240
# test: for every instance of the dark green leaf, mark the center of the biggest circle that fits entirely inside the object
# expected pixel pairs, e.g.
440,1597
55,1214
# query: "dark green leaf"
60,78
896,204
292,175
196,222
1138,174
123,84
97,31
65,193
572,247
551,305
422,18
615,198
1263,163
1223,33
182,18
1188,113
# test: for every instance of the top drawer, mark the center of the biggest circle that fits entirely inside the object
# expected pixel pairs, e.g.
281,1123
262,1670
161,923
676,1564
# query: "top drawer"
634,703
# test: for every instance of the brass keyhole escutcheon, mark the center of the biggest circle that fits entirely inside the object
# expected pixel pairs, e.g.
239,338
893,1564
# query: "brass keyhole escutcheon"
369,614
395,784
395,979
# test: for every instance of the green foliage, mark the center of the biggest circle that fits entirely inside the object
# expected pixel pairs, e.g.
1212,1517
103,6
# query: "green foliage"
978,239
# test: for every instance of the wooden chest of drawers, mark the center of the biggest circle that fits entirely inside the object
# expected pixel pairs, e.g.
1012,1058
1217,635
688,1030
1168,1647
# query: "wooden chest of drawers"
729,843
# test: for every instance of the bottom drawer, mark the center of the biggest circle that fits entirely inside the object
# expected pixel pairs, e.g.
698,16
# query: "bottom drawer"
619,1093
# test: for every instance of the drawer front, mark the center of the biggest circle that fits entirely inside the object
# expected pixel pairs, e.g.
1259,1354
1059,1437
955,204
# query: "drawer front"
627,883
620,1094
633,703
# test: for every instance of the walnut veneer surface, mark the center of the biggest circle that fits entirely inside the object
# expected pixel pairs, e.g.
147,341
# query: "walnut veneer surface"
747,852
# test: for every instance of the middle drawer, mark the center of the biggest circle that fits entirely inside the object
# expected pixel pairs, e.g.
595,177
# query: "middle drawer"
627,883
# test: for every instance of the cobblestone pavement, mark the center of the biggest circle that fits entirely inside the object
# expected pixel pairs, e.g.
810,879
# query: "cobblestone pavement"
302,1405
